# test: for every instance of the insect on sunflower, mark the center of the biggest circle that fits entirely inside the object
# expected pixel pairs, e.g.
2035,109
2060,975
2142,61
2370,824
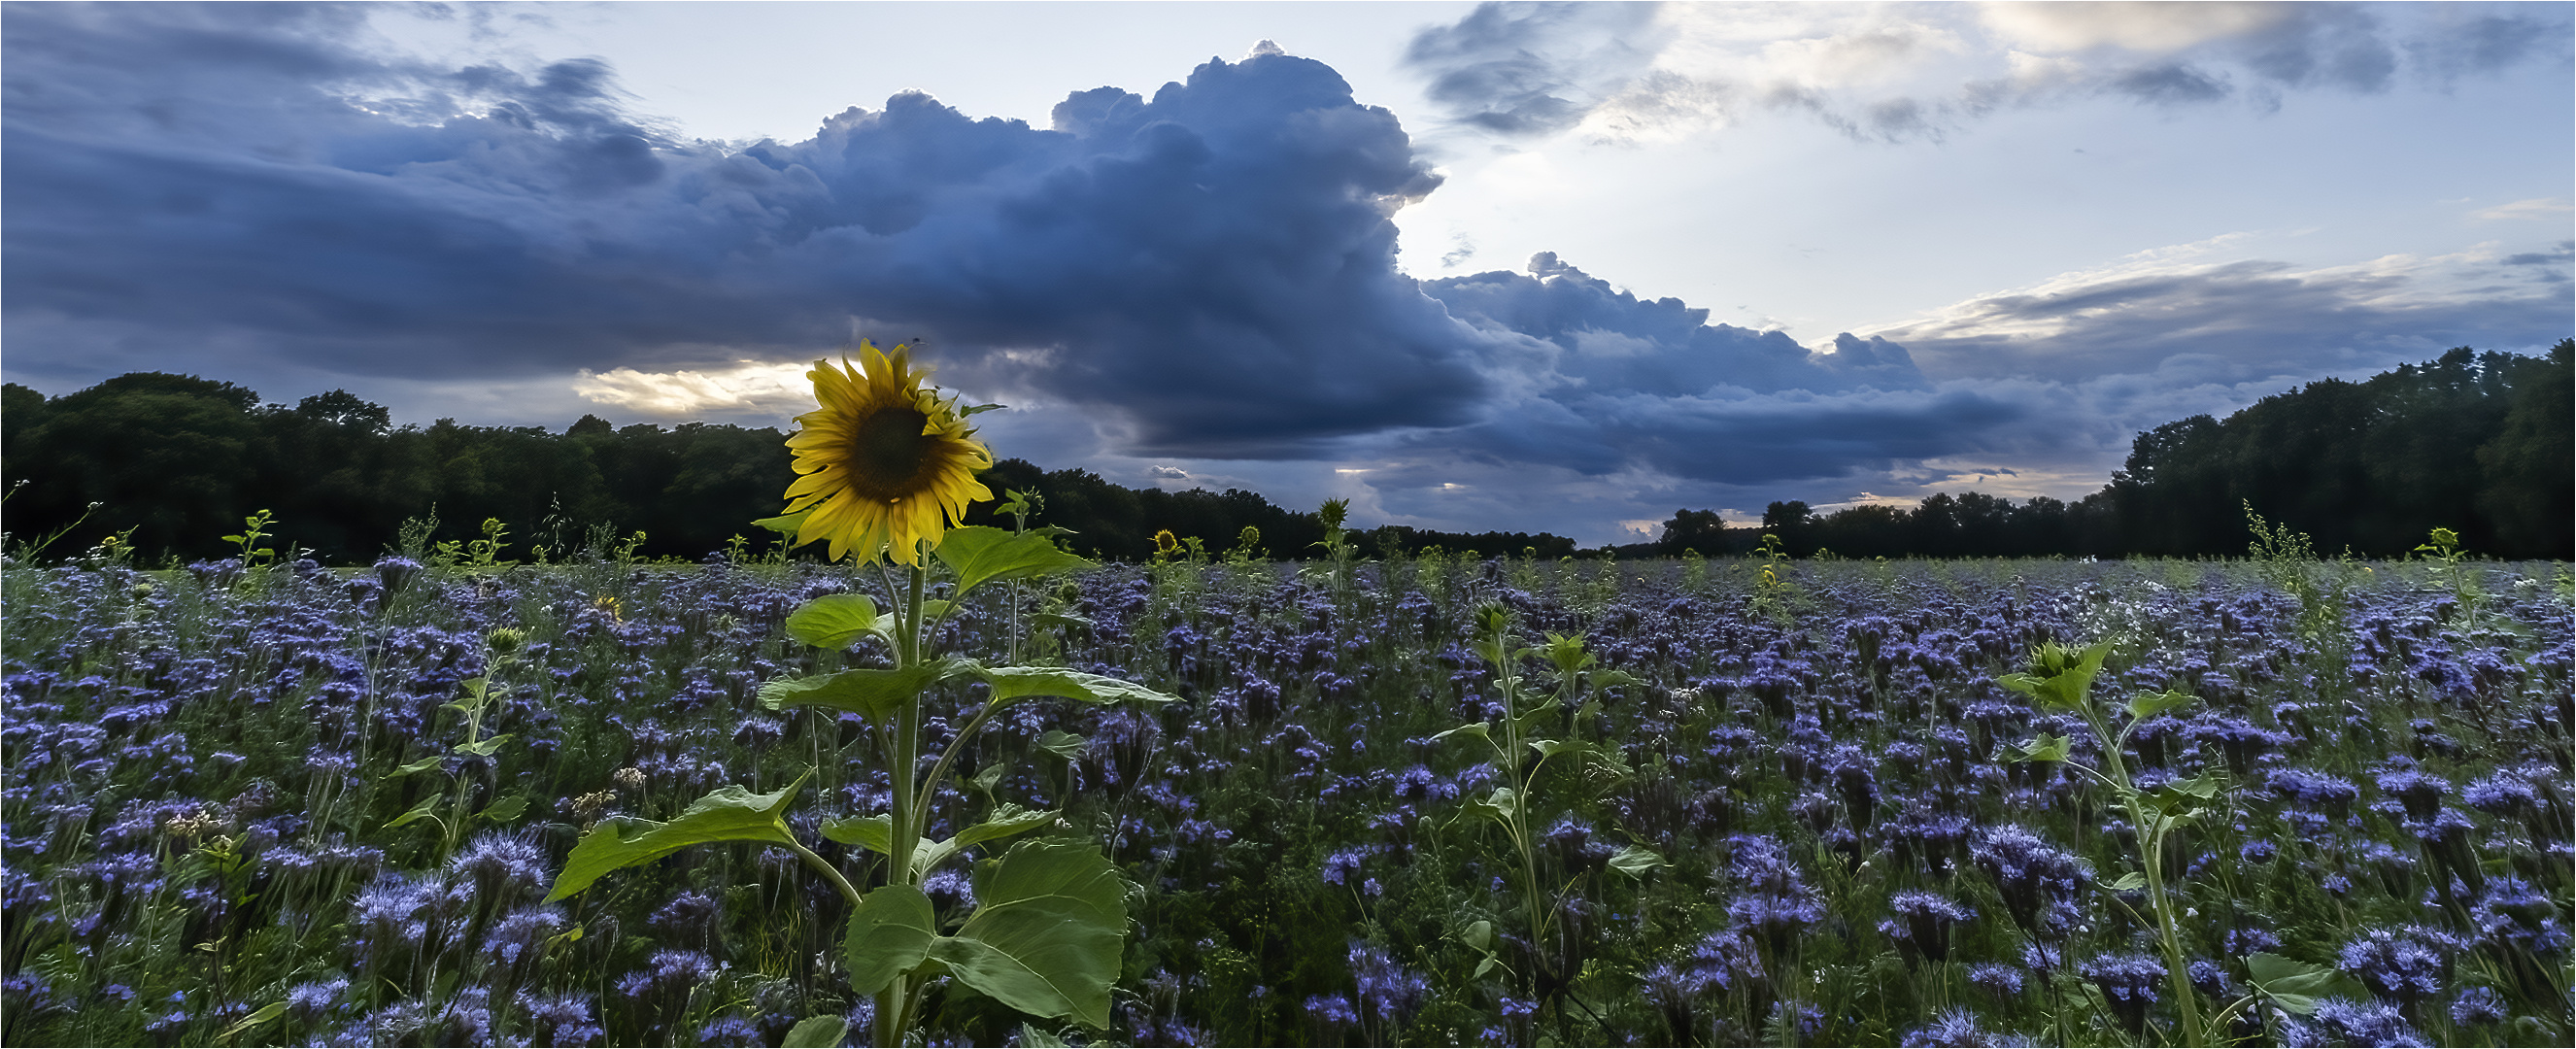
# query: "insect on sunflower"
886,462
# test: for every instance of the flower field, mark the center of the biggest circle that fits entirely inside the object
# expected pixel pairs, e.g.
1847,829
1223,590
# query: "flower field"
1725,802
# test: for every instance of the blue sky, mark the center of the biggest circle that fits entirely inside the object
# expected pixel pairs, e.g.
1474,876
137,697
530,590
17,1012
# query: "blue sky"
1516,266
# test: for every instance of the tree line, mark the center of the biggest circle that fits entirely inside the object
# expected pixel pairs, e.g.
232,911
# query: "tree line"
2479,443
2483,444
177,462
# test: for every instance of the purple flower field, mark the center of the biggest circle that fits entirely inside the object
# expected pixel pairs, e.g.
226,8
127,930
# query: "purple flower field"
254,808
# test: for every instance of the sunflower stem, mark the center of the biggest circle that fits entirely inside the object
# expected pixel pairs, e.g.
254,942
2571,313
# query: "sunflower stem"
895,1001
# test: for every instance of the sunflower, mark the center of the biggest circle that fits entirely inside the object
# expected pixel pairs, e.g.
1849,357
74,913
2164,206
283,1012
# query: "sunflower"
885,462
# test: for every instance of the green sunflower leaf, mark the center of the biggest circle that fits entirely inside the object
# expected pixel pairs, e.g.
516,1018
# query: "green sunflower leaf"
418,812
817,1032
1047,936
2154,703
1011,683
833,621
980,554
786,524
2296,985
1635,860
724,814
872,694
889,934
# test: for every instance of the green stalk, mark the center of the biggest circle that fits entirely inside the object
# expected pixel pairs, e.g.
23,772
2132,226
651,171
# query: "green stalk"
848,892
895,1000
2177,970
1500,653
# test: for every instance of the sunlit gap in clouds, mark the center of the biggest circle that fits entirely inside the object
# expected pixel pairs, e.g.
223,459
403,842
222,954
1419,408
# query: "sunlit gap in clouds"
750,387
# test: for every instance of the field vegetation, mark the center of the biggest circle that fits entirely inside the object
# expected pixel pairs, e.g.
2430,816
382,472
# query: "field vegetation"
1423,799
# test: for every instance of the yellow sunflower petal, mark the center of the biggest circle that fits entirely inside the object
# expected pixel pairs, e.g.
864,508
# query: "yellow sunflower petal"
873,483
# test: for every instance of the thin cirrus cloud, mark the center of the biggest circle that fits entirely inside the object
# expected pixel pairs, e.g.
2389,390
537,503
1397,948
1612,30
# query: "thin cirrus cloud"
2245,318
1646,71
1200,283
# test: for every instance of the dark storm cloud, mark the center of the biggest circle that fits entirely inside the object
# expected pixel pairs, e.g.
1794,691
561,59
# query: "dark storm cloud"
1606,339
1737,437
1603,382
1215,263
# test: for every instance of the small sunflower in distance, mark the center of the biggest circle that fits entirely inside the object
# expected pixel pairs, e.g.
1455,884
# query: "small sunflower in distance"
885,463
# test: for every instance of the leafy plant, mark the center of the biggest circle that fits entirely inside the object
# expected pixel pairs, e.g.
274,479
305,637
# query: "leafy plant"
500,647
1522,742
2061,678
254,530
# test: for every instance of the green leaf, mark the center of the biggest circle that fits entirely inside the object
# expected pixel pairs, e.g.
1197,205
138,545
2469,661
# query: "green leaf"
2154,703
1635,860
889,934
423,765
816,1032
978,409
2042,747
1046,939
484,748
506,809
1566,651
979,554
873,694
1611,678
833,621
2296,985
1479,935
1011,683
1037,1039
1479,730
786,524
266,1013
1545,716
724,814
2130,882
1062,744
1497,806
1007,820
873,833
418,812
2061,676
2177,798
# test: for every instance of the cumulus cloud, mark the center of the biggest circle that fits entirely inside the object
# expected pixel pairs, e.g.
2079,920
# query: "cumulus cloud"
1904,71
1213,264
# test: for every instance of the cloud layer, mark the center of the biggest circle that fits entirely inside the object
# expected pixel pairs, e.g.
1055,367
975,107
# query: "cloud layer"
1625,72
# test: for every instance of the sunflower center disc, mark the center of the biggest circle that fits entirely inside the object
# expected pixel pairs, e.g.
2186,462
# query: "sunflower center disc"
888,453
